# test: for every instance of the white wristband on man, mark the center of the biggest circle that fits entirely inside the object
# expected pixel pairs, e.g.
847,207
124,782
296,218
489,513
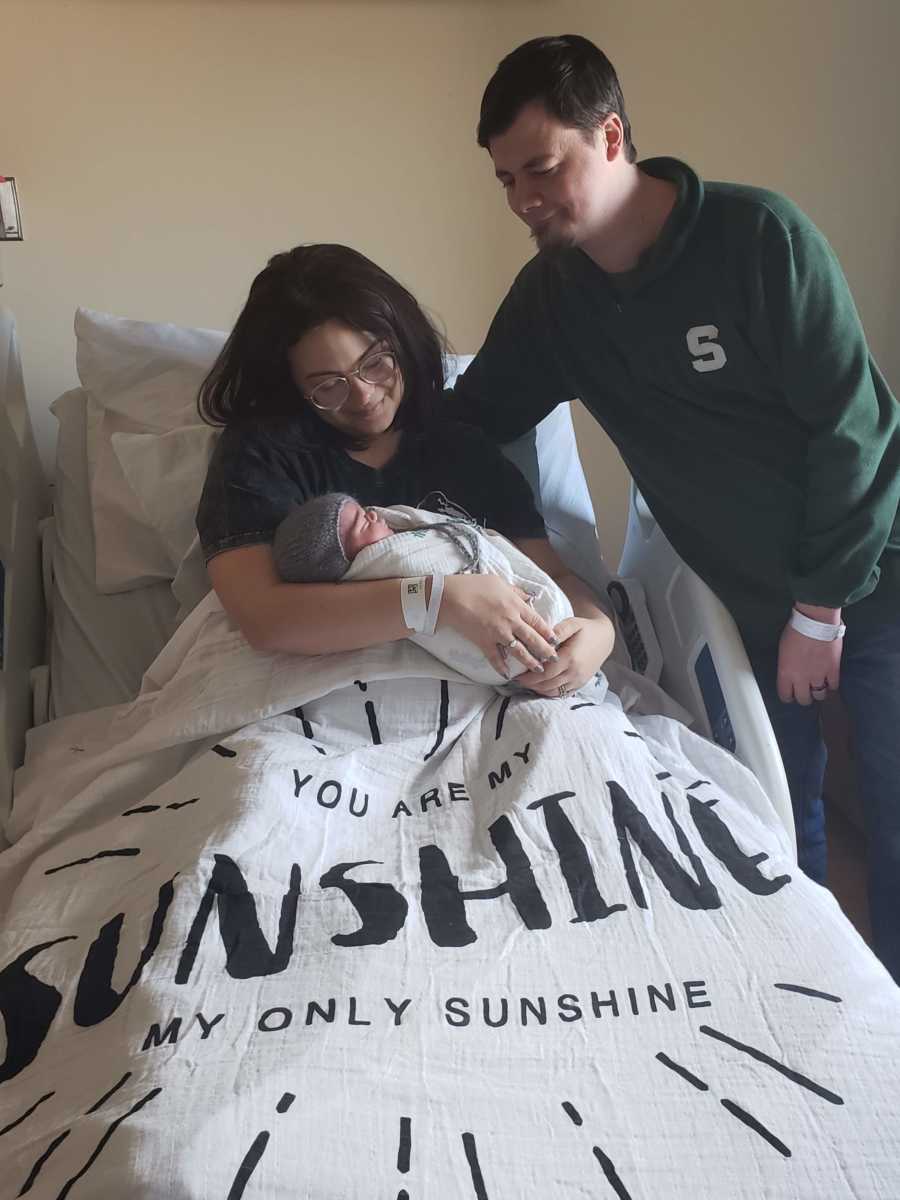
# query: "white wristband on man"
419,614
820,631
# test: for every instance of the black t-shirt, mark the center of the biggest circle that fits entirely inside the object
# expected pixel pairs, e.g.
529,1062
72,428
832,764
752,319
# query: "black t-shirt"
258,472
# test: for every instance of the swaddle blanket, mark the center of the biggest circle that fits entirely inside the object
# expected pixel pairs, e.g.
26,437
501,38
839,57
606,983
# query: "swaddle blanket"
354,926
419,548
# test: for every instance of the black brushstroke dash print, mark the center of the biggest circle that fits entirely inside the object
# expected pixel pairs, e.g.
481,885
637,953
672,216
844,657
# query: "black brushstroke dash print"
805,991
583,704
251,1159
110,1130
25,1115
757,1126
106,1095
36,1169
405,1146
127,852
57,1141
248,1165
442,718
374,731
307,728
729,1105
787,1072
609,1170
149,808
612,1175
403,1152
468,1140
501,714
683,1072
223,751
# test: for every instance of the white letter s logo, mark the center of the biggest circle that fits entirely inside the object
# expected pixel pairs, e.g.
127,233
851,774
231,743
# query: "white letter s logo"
708,354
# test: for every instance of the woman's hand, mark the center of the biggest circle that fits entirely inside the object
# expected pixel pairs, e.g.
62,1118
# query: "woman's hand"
496,616
585,643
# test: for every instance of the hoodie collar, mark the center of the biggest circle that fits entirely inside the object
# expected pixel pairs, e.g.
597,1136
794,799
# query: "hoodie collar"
676,231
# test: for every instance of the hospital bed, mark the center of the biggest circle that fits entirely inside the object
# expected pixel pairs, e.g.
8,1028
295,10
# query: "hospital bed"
352,925
68,646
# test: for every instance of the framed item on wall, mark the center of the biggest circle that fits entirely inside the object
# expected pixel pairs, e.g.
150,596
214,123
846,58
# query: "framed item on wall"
10,217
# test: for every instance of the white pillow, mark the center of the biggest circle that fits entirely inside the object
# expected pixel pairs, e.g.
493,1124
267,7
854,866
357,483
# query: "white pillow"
141,379
166,473
113,354
128,552
100,645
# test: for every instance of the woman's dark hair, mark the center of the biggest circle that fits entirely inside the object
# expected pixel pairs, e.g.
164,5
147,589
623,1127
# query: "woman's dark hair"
297,291
570,76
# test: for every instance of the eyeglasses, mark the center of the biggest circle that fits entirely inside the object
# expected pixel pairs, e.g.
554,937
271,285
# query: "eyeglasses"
334,392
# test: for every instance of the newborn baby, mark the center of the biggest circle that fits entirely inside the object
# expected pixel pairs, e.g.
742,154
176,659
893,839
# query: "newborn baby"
317,541
332,538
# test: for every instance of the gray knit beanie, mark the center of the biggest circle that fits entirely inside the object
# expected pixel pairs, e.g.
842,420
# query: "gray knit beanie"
307,544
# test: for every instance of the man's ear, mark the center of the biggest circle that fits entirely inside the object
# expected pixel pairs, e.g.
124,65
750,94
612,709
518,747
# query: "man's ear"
613,135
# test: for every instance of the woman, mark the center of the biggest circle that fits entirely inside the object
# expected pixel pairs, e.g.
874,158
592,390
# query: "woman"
330,381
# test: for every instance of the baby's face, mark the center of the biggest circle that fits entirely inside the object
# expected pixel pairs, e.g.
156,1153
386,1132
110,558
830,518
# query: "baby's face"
359,527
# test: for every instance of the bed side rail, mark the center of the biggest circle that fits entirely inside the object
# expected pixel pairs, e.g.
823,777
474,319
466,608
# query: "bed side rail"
705,665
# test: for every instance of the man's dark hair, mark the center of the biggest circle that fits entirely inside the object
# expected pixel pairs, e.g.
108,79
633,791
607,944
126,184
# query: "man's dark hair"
297,291
570,76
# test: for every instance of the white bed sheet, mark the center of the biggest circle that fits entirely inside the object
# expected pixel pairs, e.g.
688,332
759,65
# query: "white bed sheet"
542,948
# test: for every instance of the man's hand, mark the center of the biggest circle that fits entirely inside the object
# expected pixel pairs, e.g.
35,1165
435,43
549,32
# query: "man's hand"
806,665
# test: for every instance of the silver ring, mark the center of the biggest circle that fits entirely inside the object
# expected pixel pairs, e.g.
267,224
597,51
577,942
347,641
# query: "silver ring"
562,691
818,693
511,645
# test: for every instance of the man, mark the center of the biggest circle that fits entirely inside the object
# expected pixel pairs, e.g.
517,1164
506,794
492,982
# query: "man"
710,330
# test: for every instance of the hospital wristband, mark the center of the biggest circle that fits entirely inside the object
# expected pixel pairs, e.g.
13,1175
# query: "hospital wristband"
419,614
821,631
413,603
434,604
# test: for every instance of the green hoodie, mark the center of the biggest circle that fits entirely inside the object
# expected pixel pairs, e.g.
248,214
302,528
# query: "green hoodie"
731,370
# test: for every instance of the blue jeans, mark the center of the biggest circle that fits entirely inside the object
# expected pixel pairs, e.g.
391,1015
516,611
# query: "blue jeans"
870,690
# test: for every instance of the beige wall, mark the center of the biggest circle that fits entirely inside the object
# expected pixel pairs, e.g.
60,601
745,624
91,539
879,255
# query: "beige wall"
165,147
